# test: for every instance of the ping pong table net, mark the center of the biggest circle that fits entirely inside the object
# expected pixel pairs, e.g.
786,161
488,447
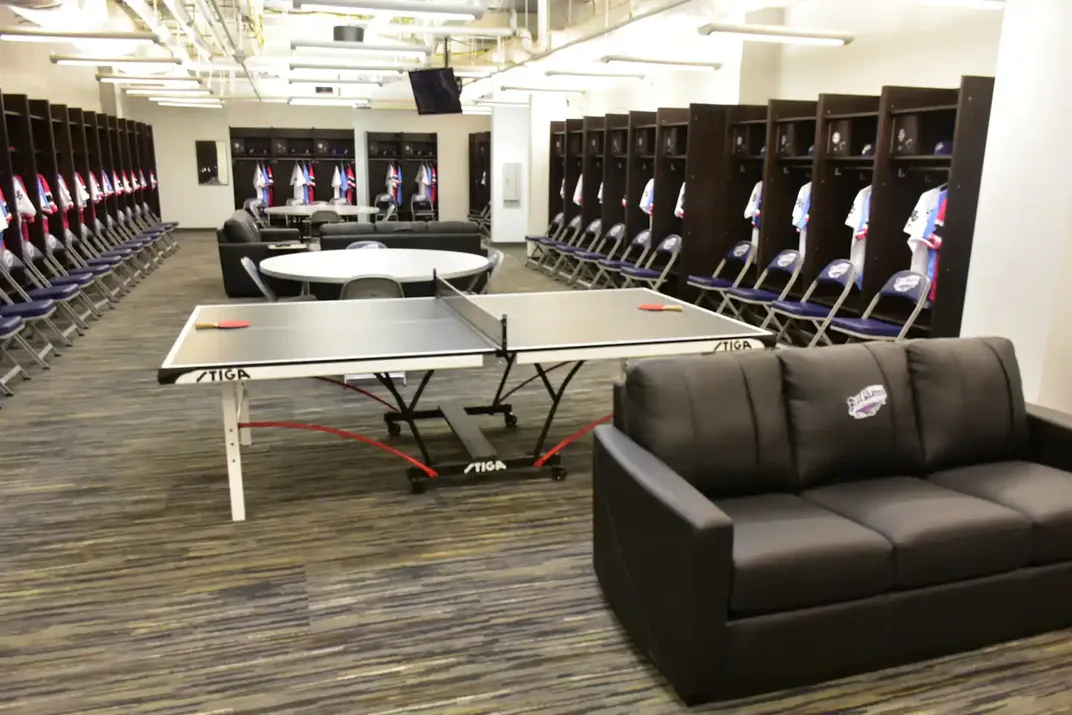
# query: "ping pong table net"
492,328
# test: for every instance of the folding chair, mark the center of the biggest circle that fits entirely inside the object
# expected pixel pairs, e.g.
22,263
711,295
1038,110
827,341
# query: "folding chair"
34,314
562,266
740,300
611,267
668,249
568,237
716,284
386,208
9,366
365,244
482,219
269,294
40,289
903,285
809,317
421,209
495,263
554,229
588,261
371,287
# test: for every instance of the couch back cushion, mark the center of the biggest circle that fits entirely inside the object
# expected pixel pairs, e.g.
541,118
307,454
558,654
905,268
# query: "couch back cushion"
240,228
347,228
452,227
718,421
851,414
401,227
969,401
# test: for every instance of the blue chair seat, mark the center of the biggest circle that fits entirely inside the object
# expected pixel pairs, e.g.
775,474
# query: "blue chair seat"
105,261
118,252
10,326
710,281
867,326
33,309
640,272
804,310
92,271
574,250
590,255
610,263
63,292
73,279
538,239
753,295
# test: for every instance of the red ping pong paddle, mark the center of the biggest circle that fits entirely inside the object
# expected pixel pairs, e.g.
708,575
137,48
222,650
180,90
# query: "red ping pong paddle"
660,308
223,325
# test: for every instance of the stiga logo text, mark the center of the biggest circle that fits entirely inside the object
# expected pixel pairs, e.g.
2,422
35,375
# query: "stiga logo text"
727,346
484,467
228,374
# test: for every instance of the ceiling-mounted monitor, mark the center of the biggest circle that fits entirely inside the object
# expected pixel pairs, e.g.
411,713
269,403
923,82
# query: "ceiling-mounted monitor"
436,91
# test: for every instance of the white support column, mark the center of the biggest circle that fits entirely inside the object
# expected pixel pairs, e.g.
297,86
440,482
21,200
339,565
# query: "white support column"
231,401
509,145
1021,258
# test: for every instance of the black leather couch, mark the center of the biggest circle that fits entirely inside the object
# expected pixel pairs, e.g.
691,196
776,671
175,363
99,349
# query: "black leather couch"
461,236
771,519
241,236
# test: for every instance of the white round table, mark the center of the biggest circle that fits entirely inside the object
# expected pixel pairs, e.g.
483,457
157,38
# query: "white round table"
307,210
405,265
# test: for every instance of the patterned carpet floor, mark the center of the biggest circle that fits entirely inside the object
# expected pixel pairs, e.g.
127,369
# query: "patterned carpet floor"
125,587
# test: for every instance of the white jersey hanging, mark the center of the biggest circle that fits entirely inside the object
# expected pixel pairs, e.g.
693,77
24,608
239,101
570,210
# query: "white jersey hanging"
599,196
578,190
647,199
679,209
424,181
921,224
562,190
800,216
857,220
752,210
297,180
336,184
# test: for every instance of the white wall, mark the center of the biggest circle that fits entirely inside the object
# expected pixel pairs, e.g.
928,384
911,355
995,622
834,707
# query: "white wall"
176,129
509,145
25,68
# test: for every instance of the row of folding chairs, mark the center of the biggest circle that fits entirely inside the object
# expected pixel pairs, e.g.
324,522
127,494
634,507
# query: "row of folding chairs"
809,321
590,257
49,297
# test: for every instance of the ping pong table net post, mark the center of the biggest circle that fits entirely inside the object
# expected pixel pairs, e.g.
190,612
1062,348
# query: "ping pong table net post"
469,311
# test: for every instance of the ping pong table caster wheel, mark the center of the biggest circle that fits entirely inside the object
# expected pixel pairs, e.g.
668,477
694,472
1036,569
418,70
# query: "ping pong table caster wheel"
394,429
417,486
511,419
558,473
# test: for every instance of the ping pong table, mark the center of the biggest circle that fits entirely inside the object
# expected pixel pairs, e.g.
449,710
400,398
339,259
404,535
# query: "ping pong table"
451,330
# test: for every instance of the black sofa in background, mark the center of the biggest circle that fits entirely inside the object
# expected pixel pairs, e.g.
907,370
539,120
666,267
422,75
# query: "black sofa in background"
766,520
241,236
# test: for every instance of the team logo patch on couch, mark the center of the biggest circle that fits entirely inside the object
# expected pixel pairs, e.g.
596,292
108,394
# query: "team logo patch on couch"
867,402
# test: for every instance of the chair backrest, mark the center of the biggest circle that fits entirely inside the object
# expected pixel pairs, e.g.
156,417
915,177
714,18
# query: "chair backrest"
495,262
611,241
638,247
593,233
787,262
555,226
385,206
670,245
420,204
255,276
839,272
322,217
907,286
371,287
740,253
365,244
340,201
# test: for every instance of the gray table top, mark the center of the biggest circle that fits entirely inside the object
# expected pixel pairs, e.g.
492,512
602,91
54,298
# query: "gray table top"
332,332
306,210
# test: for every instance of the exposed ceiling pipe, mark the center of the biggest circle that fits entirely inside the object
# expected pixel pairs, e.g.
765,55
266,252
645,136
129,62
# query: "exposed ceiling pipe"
235,50
544,30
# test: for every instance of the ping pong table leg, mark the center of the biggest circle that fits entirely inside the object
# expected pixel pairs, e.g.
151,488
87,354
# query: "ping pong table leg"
232,439
245,434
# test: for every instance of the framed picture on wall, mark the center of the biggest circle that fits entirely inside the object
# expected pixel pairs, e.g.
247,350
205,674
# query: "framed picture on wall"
211,169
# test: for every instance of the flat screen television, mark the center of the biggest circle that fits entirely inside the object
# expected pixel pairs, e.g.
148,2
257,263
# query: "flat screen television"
435,91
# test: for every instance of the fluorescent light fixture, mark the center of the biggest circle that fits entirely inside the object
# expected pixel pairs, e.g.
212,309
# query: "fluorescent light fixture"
161,92
189,105
549,90
497,103
967,4
777,34
398,28
327,102
634,61
37,34
601,75
467,109
422,50
431,11
472,74
370,69
150,81
338,82
187,100
81,61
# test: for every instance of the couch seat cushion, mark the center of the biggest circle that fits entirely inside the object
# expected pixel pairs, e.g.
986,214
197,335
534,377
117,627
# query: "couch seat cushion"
789,553
939,535
1042,494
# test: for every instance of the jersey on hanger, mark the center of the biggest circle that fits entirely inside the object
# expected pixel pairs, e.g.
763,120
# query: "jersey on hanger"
800,215
336,184
933,242
297,180
350,183
5,218
752,210
647,199
857,220
921,224
599,194
679,209
578,191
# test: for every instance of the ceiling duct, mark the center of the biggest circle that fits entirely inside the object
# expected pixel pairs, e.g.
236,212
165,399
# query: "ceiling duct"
348,33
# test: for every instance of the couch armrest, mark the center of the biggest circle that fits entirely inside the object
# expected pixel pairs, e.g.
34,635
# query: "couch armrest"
1050,435
663,557
279,235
